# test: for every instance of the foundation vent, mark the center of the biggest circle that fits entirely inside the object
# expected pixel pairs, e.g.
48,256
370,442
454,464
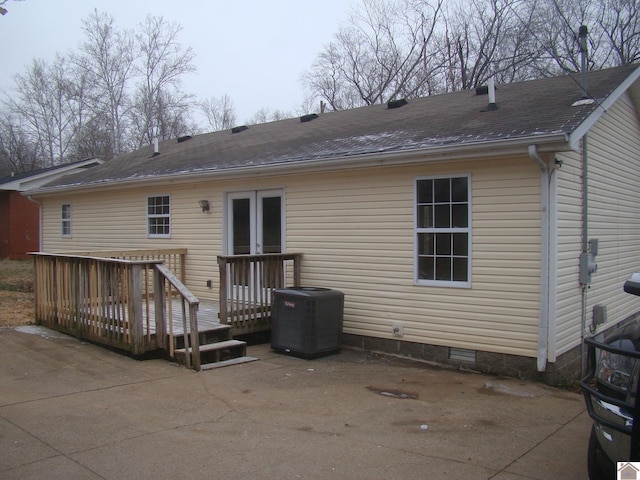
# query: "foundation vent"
462,355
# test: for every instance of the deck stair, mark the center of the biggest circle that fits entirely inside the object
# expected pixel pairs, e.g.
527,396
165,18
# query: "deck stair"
217,348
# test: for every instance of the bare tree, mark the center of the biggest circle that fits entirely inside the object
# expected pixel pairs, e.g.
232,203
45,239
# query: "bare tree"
161,108
375,57
614,33
264,115
48,107
107,60
619,21
93,139
4,11
18,153
219,111
486,38
382,54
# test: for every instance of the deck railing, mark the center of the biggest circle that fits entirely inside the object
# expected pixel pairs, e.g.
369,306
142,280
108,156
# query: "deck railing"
247,283
125,304
174,258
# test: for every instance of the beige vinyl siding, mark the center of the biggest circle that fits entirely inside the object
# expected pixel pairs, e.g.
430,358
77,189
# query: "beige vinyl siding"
356,232
568,303
112,220
361,241
614,218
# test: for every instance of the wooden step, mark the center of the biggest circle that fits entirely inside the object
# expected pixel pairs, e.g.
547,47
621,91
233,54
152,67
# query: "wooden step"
216,352
212,334
226,363
209,347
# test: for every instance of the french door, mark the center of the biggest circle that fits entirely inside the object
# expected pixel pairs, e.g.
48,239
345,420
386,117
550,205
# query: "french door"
254,226
255,222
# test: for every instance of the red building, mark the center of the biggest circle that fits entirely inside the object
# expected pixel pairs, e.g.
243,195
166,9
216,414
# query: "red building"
20,216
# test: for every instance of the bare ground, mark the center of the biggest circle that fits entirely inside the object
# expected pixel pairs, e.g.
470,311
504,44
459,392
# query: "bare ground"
16,293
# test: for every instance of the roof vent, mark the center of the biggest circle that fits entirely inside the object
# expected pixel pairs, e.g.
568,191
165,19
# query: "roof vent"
491,90
239,129
184,138
482,90
401,102
156,148
309,117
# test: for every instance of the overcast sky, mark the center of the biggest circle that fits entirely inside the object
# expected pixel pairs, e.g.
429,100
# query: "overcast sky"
255,51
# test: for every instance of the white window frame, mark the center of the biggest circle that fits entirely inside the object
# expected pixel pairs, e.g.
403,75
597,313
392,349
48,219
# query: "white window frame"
65,226
450,230
151,216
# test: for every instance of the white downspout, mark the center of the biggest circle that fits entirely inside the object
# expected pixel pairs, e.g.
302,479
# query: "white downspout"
30,198
543,328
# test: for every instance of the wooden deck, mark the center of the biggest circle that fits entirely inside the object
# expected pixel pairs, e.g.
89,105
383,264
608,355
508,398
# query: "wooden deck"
208,317
134,301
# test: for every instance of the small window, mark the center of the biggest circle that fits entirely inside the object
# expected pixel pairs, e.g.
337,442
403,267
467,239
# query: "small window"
66,220
443,231
159,216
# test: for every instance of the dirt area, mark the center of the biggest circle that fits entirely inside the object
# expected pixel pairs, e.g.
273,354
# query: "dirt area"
16,293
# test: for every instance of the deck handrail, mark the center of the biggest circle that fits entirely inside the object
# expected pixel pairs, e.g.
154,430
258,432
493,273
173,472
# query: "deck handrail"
191,339
247,283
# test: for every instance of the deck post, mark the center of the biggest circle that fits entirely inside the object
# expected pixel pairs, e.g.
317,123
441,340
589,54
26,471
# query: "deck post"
75,294
296,269
195,341
223,296
37,285
134,299
159,298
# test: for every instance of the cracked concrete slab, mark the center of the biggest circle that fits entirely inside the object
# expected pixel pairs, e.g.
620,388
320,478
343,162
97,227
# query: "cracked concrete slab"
76,410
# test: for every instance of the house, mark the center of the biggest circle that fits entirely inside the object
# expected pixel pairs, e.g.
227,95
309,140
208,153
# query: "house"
463,228
19,216
627,471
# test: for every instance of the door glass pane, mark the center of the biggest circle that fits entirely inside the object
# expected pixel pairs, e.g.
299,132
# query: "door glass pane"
241,226
271,225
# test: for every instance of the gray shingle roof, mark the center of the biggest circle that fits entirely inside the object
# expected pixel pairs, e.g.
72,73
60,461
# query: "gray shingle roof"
526,109
13,181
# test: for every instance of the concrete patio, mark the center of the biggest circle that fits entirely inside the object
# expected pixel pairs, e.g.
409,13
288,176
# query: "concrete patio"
69,409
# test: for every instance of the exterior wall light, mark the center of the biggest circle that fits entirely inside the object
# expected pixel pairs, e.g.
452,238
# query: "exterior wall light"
204,205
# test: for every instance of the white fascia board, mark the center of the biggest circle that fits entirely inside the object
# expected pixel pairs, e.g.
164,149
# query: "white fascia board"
22,184
545,143
603,107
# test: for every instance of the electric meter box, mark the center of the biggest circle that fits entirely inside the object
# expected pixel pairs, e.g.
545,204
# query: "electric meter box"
306,321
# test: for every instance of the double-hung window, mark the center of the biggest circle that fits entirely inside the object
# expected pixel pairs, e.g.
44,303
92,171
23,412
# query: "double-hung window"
443,231
66,220
159,216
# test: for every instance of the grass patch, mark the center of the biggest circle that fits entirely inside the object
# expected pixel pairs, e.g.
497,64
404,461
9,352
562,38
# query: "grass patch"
16,275
16,293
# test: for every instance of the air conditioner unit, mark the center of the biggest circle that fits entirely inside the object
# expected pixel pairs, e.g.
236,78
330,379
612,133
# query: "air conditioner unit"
306,321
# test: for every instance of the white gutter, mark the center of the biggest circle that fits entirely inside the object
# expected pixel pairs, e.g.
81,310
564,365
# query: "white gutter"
463,151
543,328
